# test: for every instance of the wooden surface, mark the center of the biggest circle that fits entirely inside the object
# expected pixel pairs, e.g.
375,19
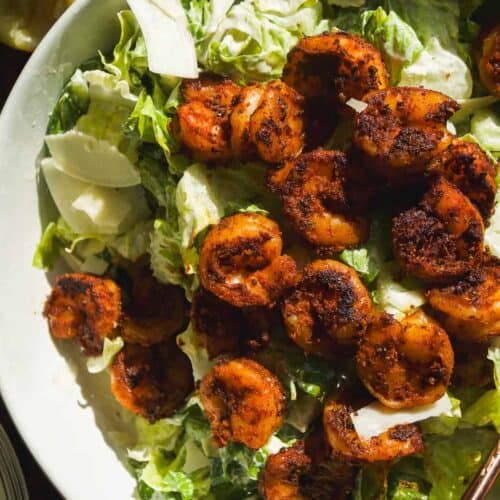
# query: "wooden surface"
40,488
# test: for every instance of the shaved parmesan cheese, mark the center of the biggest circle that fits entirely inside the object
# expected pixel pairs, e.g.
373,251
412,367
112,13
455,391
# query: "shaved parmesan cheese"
169,43
374,419
90,209
88,159
357,105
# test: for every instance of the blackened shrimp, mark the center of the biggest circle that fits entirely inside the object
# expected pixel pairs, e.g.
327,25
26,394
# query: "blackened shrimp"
322,193
396,442
218,324
243,401
489,61
276,127
154,312
280,478
470,308
405,363
85,308
241,261
401,130
151,381
467,166
441,239
330,307
202,123
335,66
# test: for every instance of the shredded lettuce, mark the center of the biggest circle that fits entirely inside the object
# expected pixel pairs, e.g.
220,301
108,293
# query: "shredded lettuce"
439,69
451,462
253,38
72,103
397,41
189,343
176,456
485,126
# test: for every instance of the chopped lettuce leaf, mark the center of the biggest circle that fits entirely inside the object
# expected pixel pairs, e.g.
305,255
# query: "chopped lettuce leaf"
446,423
189,343
110,349
166,256
254,37
110,104
197,203
164,26
485,126
397,41
134,243
371,483
486,409
470,106
398,297
72,103
362,262
129,61
439,69
150,124
433,19
451,462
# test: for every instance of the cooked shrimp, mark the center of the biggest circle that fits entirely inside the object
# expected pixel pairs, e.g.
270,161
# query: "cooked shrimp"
472,367
441,239
329,477
242,143
218,324
467,166
202,123
276,126
319,198
401,130
398,441
151,381
336,66
407,363
470,308
280,478
84,307
243,401
155,311
489,61
241,261
329,308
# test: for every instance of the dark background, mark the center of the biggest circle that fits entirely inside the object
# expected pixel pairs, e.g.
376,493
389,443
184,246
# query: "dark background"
40,488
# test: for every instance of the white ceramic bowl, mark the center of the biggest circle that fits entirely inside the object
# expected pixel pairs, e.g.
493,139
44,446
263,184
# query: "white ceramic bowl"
62,413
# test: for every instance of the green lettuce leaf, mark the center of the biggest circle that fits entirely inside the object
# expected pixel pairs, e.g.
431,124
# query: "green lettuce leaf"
444,424
485,126
129,60
439,69
253,38
151,124
451,462
72,103
397,41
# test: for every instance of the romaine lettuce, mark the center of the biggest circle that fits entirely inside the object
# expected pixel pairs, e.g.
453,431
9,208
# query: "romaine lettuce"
72,103
254,37
439,69
397,41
